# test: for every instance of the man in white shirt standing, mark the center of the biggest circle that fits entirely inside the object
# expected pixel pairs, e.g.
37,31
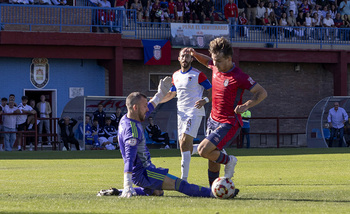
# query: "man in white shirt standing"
45,111
10,125
337,116
22,119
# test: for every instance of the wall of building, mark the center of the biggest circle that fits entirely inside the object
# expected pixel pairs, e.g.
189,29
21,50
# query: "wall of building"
290,93
63,73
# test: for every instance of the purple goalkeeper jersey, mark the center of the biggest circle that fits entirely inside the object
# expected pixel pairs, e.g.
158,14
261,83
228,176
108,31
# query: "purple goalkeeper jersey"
132,144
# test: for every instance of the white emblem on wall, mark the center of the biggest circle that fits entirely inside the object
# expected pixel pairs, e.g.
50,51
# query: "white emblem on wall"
76,92
157,52
39,72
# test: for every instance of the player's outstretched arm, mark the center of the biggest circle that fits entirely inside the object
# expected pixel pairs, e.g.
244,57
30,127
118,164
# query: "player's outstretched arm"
259,94
202,58
170,95
163,88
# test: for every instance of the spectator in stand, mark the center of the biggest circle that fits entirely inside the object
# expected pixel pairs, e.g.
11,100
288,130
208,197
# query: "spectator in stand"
316,23
9,125
171,10
22,119
284,23
244,30
208,10
197,11
299,32
338,23
106,16
337,116
291,20
344,7
277,10
44,108
156,134
333,11
328,23
121,6
346,21
322,3
31,118
324,12
100,115
59,2
246,127
269,8
308,25
146,7
252,11
273,23
305,7
67,134
292,5
231,14
139,10
156,12
12,98
260,13
242,5
164,6
45,2
115,118
96,129
179,9
110,136
187,11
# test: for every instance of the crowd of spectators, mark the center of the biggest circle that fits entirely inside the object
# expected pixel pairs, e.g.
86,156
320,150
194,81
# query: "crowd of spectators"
308,15
38,2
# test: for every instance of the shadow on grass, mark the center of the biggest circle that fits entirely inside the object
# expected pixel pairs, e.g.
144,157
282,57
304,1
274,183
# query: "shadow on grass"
294,200
105,154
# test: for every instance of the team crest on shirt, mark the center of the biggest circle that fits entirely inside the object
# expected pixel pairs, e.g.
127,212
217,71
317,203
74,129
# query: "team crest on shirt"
157,52
226,82
190,79
131,142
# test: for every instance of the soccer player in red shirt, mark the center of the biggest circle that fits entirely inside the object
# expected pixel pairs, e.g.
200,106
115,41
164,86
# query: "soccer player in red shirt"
225,121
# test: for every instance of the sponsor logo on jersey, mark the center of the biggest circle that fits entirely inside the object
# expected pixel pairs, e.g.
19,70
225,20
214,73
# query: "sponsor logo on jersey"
39,72
251,81
226,82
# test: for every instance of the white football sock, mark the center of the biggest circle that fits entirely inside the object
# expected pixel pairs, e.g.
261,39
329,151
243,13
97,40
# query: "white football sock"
195,149
185,164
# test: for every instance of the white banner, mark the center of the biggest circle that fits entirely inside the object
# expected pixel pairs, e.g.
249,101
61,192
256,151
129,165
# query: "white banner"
197,35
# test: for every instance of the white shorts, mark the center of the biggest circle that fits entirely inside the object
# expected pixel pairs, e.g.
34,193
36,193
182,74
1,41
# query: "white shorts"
179,13
188,125
104,140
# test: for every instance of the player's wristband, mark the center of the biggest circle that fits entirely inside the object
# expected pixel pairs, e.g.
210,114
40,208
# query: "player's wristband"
127,180
206,99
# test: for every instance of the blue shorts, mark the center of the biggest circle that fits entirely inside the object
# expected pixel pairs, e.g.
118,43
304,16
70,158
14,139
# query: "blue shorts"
150,178
222,134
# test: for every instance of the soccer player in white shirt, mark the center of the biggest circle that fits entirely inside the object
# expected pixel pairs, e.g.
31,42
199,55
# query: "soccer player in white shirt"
188,84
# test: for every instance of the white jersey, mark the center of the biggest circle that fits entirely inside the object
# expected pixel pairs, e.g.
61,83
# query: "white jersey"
189,87
23,118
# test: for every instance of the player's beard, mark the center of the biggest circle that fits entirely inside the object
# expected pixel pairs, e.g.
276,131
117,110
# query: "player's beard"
185,65
141,116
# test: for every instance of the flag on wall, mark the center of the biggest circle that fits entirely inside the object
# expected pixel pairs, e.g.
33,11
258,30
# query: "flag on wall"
157,52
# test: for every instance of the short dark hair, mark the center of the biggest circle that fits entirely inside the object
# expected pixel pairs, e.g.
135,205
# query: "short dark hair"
133,99
12,95
108,118
24,98
95,119
221,45
4,99
86,115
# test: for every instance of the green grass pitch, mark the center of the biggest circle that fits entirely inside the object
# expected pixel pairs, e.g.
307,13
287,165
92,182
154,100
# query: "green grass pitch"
271,181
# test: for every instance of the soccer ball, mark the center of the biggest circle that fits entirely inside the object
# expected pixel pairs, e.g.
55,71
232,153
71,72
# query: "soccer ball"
223,188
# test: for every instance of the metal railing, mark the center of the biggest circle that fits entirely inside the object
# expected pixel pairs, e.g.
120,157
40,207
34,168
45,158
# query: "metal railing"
92,19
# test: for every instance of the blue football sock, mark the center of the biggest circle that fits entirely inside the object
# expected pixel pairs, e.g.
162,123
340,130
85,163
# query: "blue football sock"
212,176
191,189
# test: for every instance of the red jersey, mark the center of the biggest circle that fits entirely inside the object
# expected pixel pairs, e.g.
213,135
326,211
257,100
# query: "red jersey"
171,7
119,3
179,6
231,10
242,20
227,92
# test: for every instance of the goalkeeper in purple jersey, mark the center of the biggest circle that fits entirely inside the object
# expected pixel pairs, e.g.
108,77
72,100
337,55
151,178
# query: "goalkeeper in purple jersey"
138,168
